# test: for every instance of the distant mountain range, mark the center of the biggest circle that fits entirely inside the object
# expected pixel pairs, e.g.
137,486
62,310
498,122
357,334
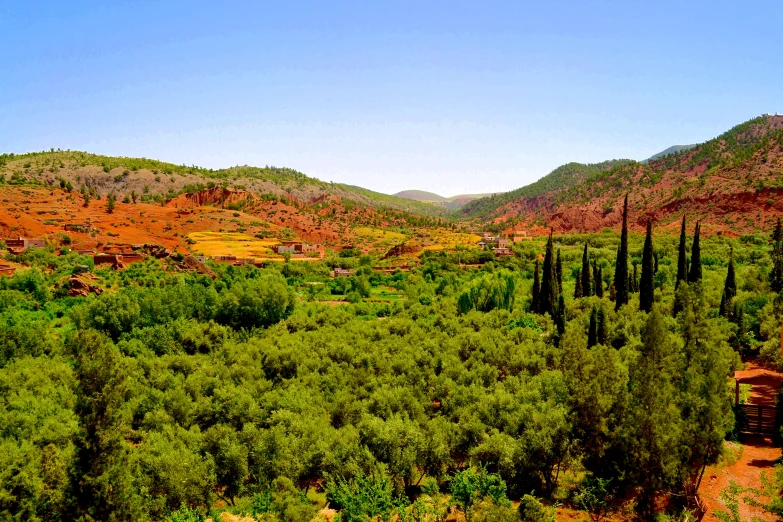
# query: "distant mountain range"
732,183
450,203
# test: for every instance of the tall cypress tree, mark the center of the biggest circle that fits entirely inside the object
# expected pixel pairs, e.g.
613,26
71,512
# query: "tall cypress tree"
536,304
560,316
586,290
599,281
621,264
549,280
592,330
695,269
776,277
633,282
729,289
601,326
682,259
646,288
559,272
578,293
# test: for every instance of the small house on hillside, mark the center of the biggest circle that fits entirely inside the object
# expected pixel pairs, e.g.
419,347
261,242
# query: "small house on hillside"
21,244
342,272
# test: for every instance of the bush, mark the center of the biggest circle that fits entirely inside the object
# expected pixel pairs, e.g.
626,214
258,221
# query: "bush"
531,510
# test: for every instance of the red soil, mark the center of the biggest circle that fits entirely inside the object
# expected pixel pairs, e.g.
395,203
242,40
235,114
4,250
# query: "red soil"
35,212
758,455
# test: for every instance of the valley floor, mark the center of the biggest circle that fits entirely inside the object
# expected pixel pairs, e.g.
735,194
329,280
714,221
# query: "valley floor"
758,453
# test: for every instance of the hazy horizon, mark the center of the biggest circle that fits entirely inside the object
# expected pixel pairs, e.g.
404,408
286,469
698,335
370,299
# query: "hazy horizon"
450,98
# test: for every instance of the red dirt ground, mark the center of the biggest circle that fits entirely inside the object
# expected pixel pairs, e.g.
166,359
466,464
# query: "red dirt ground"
758,455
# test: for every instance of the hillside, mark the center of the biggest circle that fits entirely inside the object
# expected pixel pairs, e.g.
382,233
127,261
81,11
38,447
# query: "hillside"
452,203
556,181
671,150
419,195
732,183
154,180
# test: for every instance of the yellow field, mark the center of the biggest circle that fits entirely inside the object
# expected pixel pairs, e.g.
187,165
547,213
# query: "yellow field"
232,244
446,240
377,234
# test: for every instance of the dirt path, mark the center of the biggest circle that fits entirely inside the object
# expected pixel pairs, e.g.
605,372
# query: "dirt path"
758,452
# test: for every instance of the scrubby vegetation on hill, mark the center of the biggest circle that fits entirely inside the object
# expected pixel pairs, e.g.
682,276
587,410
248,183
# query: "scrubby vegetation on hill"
556,181
729,182
123,175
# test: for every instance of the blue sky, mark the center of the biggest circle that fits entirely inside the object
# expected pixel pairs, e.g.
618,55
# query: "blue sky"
453,96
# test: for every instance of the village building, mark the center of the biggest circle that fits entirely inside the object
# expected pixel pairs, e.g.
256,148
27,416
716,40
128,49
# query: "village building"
342,272
21,244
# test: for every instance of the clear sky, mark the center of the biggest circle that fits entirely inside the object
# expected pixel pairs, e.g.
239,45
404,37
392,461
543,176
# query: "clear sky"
448,96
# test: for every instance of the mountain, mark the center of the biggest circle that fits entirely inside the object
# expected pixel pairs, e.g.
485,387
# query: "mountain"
452,203
559,179
671,150
419,195
731,183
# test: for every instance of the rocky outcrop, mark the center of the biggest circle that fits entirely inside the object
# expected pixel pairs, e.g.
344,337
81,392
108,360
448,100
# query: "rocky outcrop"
78,287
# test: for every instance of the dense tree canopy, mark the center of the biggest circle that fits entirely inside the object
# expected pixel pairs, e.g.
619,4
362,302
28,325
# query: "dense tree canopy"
268,391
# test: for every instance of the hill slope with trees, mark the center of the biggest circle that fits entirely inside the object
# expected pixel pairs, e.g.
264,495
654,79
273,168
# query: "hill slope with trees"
731,183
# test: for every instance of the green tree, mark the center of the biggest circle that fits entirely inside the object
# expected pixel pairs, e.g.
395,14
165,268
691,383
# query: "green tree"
578,292
470,486
729,289
111,202
601,335
682,259
536,302
592,329
101,484
559,272
598,285
532,510
362,498
705,406
776,276
549,289
621,263
653,423
695,273
586,288
646,288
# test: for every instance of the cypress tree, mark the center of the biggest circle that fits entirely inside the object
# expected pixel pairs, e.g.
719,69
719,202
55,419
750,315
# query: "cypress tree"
776,277
621,264
682,260
612,292
601,326
646,288
536,304
592,330
599,281
586,290
560,316
549,280
729,288
695,269
578,288
559,272
633,285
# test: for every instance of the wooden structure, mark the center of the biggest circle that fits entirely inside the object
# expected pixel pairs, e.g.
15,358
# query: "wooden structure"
761,417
